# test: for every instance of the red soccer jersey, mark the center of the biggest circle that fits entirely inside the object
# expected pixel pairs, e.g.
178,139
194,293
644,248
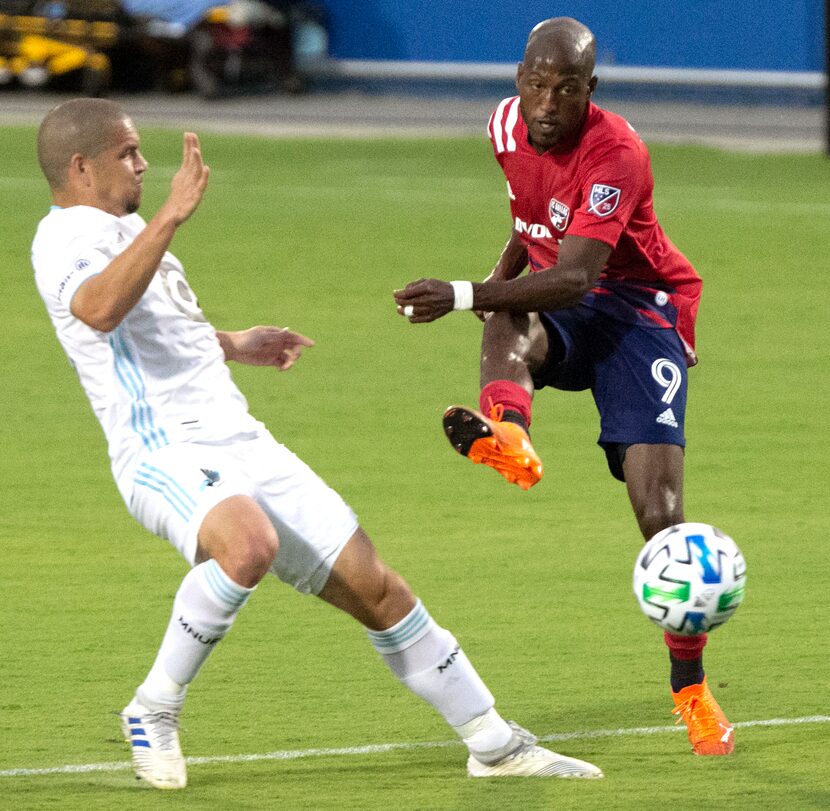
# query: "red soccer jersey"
600,189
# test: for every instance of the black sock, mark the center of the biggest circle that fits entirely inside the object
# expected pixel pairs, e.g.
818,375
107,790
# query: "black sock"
685,672
510,415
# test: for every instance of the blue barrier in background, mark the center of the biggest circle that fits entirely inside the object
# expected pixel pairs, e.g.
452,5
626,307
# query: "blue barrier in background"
764,35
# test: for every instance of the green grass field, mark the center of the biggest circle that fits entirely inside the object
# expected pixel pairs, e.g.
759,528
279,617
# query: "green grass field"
536,585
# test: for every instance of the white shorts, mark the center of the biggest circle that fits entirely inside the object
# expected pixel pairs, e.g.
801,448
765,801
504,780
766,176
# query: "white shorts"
173,488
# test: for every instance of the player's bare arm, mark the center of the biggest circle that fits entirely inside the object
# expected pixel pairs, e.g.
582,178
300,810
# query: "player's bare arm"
512,261
580,263
104,300
264,346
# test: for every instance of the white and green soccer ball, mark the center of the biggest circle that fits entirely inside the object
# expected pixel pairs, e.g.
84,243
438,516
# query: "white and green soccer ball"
690,578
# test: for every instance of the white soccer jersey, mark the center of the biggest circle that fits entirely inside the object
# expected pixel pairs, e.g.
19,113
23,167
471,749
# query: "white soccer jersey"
160,377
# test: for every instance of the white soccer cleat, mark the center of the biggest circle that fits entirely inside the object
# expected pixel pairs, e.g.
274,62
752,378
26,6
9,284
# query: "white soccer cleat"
154,741
530,760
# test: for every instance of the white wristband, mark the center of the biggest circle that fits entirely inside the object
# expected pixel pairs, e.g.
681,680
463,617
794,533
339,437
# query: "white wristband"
463,295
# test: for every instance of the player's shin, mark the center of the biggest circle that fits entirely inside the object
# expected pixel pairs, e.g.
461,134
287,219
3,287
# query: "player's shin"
429,661
204,609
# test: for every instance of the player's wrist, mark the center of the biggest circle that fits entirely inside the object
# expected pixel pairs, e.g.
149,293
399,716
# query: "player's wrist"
463,295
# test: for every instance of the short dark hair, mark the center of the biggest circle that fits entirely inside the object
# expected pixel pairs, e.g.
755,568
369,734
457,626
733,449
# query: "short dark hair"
79,126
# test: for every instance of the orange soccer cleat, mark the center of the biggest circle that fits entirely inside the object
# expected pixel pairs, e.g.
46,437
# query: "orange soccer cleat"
503,446
710,733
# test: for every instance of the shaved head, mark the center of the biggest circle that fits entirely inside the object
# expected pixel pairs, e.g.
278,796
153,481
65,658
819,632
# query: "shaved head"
555,81
563,39
81,126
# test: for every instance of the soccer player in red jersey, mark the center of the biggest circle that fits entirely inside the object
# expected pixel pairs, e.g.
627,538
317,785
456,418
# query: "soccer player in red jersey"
609,305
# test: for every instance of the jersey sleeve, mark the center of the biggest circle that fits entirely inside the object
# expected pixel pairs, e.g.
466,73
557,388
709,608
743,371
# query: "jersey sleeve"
74,272
62,265
614,178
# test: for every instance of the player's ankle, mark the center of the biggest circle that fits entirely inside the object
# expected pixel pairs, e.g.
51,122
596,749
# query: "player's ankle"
488,736
515,417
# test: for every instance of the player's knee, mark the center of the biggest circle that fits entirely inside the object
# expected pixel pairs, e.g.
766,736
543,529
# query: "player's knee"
502,326
251,554
655,516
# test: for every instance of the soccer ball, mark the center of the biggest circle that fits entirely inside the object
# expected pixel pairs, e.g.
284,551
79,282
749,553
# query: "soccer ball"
690,578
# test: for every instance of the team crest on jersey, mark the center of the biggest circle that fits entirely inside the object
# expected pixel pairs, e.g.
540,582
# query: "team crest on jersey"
558,213
603,200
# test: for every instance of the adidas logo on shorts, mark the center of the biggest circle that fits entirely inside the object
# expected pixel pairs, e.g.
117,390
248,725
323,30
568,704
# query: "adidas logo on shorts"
667,418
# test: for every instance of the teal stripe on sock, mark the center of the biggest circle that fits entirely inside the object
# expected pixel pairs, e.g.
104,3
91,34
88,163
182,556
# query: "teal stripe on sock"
410,628
229,593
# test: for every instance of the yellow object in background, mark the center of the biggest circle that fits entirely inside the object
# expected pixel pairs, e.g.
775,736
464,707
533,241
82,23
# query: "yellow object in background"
57,57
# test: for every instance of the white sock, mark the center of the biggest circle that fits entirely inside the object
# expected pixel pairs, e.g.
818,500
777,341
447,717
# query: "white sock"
205,607
428,660
488,737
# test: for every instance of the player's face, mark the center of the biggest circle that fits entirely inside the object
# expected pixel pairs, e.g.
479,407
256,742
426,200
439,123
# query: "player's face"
117,172
553,98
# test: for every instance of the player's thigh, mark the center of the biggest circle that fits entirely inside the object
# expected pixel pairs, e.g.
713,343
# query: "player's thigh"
172,489
640,385
519,336
312,521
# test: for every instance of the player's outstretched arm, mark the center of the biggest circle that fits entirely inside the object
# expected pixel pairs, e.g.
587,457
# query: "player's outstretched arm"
264,346
103,301
436,298
580,263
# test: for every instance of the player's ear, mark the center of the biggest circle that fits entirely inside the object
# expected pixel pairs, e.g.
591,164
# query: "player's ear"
592,85
520,69
79,169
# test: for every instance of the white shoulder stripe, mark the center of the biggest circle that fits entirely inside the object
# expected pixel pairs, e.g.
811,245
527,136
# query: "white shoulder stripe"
498,129
503,123
510,125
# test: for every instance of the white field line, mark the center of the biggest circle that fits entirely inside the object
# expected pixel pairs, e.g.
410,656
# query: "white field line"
380,748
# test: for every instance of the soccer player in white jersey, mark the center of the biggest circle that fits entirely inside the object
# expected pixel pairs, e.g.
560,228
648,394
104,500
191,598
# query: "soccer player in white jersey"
195,468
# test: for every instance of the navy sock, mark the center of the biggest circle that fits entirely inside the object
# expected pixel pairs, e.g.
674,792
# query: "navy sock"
685,672
514,416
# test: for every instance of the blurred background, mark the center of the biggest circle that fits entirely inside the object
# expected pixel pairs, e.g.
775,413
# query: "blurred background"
717,72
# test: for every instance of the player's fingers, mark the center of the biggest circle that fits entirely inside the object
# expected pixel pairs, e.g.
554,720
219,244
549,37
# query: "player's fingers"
192,156
187,147
298,339
288,358
411,290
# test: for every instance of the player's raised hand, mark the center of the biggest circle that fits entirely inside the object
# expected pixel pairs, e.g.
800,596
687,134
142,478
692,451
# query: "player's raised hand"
264,346
425,300
189,183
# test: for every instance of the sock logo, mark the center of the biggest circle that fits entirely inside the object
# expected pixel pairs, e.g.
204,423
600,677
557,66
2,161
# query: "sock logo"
189,629
450,660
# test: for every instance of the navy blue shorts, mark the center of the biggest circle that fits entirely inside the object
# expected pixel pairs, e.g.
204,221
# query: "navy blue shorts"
637,375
